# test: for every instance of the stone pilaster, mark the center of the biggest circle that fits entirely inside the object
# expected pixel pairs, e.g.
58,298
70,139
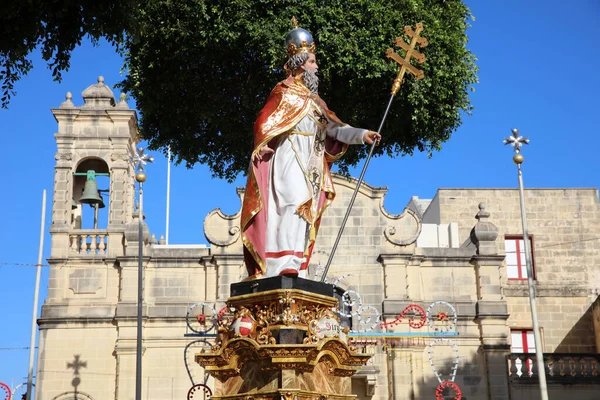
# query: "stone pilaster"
395,275
492,310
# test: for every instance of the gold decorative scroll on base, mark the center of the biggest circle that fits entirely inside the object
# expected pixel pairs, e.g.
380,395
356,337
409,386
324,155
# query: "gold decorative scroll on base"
282,344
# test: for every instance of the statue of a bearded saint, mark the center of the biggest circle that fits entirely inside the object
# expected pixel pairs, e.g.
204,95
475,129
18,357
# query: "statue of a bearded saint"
296,138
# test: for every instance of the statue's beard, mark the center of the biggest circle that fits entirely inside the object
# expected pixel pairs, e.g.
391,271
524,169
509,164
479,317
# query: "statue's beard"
311,80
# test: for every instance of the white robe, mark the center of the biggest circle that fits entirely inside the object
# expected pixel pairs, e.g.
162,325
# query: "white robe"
295,156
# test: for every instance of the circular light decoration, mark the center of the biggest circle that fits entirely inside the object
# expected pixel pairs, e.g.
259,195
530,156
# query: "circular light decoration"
20,390
221,313
200,346
5,392
444,387
441,316
244,326
201,317
341,278
454,365
199,389
412,312
368,318
352,300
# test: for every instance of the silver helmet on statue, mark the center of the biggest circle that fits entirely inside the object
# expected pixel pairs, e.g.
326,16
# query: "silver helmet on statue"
299,40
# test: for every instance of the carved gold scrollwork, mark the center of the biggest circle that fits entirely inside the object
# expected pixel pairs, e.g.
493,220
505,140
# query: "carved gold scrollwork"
311,336
288,396
264,335
287,302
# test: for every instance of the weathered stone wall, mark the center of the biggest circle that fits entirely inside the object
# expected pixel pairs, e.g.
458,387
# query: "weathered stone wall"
564,224
94,343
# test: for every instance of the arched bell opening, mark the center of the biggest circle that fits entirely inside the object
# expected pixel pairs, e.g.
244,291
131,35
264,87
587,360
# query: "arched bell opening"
91,195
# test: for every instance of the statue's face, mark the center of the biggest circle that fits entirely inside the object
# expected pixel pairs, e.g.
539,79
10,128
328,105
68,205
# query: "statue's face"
311,63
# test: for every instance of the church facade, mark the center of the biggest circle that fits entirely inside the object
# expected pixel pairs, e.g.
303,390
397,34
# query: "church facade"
437,293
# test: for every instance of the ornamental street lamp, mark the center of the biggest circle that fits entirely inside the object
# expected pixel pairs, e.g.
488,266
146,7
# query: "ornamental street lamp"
516,141
139,160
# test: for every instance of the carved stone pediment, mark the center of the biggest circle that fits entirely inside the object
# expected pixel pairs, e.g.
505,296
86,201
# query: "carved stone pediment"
221,229
398,229
403,229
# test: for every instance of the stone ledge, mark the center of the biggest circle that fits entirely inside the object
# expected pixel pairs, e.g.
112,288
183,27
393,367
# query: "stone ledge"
541,290
496,347
464,309
488,261
83,322
77,311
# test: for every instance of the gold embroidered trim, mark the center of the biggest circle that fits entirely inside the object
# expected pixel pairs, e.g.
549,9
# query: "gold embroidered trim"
260,203
304,210
281,108
331,158
261,263
294,132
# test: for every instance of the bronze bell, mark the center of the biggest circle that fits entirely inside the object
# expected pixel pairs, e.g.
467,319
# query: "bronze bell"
101,204
90,193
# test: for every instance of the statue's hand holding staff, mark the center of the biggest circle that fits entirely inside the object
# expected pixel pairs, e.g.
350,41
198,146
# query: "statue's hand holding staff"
371,136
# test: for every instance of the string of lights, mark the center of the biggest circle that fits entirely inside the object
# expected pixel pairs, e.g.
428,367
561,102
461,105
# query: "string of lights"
14,348
13,264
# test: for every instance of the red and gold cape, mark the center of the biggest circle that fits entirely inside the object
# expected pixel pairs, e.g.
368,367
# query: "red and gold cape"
287,104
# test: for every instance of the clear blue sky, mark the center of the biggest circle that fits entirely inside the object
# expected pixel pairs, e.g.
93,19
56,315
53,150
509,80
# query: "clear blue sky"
538,65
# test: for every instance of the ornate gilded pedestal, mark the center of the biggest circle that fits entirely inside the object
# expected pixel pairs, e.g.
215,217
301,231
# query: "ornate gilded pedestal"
282,340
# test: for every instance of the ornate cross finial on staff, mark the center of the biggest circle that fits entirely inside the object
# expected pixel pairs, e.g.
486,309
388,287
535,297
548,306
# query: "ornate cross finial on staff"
516,141
139,159
405,66
410,52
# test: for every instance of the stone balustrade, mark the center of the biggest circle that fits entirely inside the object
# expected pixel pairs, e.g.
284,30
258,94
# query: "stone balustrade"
559,367
90,242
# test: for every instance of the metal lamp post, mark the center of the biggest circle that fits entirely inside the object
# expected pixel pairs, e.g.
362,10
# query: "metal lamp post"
35,303
139,160
516,141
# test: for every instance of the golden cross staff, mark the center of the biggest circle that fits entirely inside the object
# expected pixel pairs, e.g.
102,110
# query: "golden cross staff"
405,64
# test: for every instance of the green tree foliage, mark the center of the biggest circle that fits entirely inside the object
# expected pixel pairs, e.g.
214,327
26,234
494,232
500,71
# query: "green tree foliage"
55,27
200,70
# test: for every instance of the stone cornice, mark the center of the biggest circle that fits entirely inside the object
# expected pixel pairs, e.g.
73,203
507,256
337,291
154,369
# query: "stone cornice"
219,258
395,258
49,323
492,260
543,290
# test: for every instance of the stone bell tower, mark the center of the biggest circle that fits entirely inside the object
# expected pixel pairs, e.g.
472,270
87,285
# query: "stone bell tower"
98,137
92,212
